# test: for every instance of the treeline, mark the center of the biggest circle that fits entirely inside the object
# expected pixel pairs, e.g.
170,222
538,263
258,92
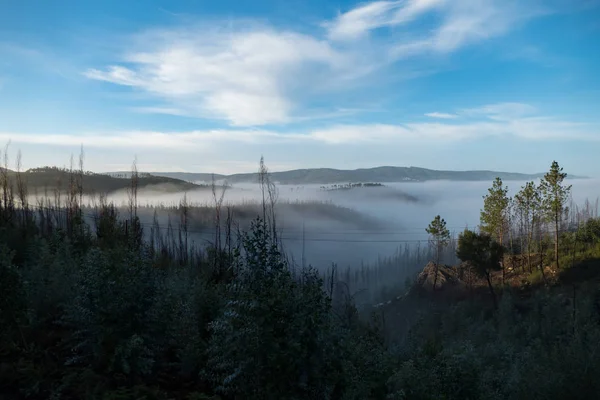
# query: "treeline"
99,311
535,224
102,309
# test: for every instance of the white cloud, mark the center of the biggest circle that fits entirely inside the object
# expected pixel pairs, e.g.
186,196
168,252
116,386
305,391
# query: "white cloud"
507,120
110,167
115,74
459,22
161,110
178,141
244,77
360,20
250,74
441,115
502,111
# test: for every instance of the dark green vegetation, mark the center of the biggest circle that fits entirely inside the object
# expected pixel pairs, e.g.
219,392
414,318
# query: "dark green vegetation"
47,180
378,174
107,310
439,238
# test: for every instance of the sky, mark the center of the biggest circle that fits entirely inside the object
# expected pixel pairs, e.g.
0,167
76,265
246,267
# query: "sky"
205,86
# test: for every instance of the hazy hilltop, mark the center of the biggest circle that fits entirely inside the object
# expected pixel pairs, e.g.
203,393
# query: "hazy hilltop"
51,178
376,174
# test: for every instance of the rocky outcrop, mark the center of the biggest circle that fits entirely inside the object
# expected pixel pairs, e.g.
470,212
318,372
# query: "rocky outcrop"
452,282
447,278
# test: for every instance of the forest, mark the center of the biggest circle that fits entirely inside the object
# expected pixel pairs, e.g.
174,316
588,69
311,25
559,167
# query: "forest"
95,304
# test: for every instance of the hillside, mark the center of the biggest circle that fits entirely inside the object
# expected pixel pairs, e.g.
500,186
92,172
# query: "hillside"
114,307
377,174
49,178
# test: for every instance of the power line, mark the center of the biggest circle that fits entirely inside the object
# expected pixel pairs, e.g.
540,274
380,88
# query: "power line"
211,232
302,238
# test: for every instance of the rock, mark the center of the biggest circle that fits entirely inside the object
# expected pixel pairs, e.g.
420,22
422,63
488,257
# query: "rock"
447,277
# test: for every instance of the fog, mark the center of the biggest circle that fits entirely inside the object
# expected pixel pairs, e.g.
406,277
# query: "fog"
356,226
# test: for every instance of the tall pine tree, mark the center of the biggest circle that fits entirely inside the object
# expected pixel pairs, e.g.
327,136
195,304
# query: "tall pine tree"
439,238
554,198
528,202
494,216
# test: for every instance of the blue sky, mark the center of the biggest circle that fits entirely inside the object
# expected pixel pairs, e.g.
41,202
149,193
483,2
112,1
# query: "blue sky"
211,86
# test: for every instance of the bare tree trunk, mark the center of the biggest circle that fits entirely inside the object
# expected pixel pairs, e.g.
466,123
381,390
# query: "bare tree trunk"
521,241
218,262
529,240
437,264
501,236
542,254
22,191
492,292
303,247
574,250
556,217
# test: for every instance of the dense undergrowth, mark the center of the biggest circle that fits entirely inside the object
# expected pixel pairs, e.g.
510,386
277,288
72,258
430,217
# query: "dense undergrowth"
101,311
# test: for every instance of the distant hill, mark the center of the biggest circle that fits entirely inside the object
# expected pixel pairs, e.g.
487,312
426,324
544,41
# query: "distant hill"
377,174
49,178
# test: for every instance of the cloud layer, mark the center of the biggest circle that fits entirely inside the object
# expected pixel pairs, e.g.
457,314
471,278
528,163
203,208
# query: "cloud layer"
502,120
250,74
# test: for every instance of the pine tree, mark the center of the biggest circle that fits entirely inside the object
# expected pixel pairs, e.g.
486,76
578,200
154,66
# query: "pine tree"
494,216
439,238
554,197
528,202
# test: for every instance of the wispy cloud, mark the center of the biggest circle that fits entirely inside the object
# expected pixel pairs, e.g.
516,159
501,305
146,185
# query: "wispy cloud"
188,141
161,110
501,111
251,74
441,115
500,120
367,17
460,22
244,77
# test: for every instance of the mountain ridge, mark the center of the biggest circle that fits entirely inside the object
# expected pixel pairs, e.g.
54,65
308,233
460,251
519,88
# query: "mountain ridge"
383,174
52,178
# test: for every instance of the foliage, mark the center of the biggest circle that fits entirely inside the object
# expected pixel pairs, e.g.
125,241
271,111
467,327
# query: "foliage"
274,324
494,213
554,193
589,232
547,352
481,252
439,238
98,309
528,203
554,197
12,296
440,235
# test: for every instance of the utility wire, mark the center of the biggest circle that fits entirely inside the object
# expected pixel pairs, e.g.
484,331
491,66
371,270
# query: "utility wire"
302,235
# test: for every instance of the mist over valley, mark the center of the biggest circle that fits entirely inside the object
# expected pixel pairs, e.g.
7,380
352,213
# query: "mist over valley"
349,227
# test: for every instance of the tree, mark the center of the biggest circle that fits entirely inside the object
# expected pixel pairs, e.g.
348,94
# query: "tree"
494,216
483,253
528,202
554,197
439,238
